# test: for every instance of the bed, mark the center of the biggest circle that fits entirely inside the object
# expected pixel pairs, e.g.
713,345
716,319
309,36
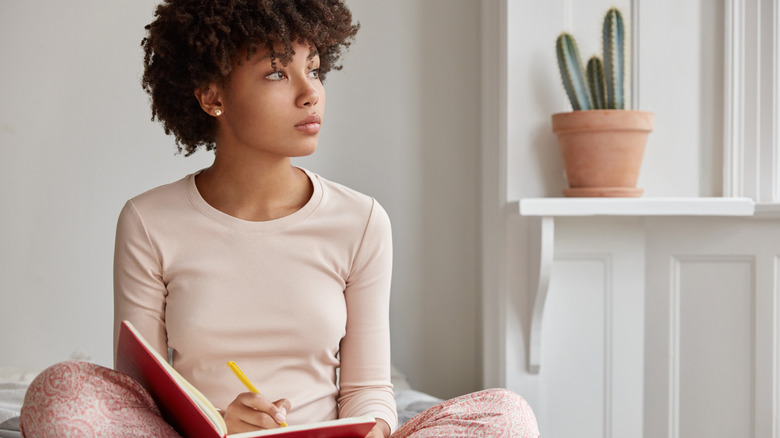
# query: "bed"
13,384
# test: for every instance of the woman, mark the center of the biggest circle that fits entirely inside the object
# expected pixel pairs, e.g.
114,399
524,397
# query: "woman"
253,259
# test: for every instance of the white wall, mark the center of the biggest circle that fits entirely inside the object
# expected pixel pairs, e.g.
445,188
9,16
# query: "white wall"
402,125
681,83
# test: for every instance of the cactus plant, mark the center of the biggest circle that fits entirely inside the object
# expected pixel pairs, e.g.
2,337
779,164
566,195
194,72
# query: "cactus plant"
571,72
613,38
597,82
604,87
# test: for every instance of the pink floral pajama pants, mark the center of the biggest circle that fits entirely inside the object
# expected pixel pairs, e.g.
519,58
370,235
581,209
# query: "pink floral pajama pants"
80,399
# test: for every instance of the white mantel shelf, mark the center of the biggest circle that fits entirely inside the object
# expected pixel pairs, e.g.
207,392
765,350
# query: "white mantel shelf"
543,211
635,207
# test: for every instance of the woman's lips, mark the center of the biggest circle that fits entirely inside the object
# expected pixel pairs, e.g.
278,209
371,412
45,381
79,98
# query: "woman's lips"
309,125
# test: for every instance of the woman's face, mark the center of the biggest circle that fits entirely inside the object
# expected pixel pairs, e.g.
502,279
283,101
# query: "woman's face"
272,108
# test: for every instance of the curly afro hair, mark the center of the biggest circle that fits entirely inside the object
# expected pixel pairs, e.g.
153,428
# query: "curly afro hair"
192,43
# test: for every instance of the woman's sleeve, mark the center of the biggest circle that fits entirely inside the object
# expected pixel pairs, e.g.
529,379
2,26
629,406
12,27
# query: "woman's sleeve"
139,290
365,387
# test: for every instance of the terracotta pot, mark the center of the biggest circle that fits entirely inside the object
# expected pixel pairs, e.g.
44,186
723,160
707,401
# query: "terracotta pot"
602,150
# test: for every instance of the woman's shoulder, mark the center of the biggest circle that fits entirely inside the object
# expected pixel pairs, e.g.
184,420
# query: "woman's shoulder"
163,194
350,203
160,202
339,194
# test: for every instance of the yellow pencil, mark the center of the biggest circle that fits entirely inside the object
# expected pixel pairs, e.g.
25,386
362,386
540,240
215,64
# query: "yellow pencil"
245,380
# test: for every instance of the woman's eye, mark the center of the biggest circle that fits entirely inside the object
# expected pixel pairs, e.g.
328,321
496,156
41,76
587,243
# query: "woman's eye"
275,76
315,74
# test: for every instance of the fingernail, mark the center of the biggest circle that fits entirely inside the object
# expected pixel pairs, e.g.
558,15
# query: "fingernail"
280,416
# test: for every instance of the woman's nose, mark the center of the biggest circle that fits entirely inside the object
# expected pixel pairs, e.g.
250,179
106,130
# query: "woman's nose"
309,96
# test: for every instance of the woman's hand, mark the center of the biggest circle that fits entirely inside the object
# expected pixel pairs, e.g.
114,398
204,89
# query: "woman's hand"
381,430
250,411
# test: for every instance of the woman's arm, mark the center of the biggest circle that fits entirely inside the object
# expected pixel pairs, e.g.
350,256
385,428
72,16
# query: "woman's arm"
139,290
365,387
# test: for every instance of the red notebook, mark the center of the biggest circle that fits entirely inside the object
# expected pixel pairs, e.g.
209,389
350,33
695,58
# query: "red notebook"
191,413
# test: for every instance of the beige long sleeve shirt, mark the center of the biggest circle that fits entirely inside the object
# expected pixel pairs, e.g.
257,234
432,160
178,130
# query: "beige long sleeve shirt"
291,300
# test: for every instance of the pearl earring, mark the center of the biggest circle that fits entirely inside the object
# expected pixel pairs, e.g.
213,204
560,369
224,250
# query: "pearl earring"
217,112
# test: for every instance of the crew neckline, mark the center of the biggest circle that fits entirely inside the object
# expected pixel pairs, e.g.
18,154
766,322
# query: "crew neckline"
274,225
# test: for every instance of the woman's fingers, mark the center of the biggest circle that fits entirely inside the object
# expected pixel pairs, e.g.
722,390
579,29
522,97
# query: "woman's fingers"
250,411
284,407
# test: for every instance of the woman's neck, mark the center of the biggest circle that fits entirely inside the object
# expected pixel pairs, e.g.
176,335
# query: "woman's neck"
254,189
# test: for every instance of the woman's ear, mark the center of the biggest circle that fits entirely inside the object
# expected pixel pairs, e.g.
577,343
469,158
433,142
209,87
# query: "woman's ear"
209,99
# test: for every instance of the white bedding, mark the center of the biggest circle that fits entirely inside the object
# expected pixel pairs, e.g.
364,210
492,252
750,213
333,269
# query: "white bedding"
10,434
11,399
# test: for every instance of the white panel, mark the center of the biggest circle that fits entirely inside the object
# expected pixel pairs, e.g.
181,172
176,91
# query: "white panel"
734,123
776,104
711,100
587,246
765,244
576,340
767,101
682,84
714,346
775,355
752,159
715,314
751,88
